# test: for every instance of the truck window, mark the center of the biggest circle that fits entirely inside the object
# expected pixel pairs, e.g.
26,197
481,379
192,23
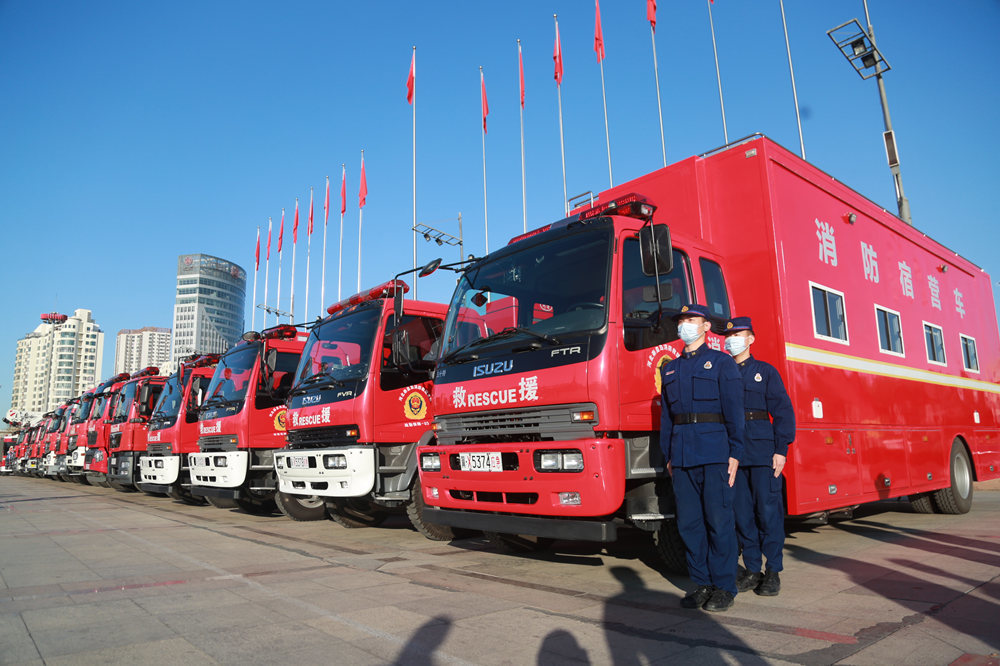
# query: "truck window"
890,335
829,319
934,339
970,360
124,402
639,310
716,296
424,334
284,372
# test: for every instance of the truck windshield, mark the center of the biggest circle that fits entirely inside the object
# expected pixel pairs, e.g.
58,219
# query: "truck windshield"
232,377
82,412
339,349
169,402
543,291
124,402
56,420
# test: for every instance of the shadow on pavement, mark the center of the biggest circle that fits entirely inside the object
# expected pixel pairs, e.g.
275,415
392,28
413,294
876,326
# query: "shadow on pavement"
419,650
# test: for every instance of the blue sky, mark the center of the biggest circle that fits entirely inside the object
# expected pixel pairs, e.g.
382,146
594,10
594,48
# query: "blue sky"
134,132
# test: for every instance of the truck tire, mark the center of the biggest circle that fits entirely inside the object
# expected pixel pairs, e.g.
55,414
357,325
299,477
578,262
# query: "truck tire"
257,507
221,502
301,507
922,503
355,512
184,495
97,480
415,512
957,497
518,544
670,547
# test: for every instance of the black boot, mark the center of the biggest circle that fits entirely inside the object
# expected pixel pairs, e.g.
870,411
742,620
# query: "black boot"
747,580
769,585
721,600
697,598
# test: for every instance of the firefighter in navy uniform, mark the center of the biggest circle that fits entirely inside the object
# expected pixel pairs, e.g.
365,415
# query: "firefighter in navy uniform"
770,428
701,433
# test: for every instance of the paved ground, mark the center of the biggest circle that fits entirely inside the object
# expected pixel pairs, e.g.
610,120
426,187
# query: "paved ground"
91,575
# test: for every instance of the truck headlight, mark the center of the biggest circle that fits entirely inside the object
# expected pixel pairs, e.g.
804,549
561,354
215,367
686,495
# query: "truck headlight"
430,462
549,461
335,461
220,461
562,460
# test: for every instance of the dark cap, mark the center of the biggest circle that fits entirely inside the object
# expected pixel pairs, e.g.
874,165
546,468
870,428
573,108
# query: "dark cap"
737,324
692,309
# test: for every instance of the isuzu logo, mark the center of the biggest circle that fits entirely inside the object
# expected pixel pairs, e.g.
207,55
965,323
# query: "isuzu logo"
311,399
495,368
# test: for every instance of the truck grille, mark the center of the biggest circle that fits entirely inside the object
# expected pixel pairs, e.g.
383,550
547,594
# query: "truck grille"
315,438
539,424
158,448
91,438
217,443
115,440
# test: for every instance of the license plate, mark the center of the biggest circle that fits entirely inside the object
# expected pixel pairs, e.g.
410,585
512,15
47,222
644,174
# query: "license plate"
480,462
298,462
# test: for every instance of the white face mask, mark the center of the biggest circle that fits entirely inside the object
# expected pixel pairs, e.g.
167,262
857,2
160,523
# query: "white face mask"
689,331
736,344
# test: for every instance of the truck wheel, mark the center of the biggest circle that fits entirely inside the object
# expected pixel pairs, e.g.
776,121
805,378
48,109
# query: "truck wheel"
82,480
97,480
222,502
957,497
415,512
257,507
301,507
355,512
518,543
922,503
670,547
182,494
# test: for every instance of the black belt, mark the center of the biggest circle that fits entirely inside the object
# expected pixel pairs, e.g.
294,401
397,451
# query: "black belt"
757,415
686,419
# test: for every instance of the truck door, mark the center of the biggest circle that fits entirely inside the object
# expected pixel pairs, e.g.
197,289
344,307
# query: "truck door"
403,394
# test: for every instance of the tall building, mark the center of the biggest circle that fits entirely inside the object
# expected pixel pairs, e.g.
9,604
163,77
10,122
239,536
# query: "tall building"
140,348
208,311
57,361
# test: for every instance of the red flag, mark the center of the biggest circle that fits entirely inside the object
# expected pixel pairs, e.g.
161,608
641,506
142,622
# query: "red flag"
257,253
309,229
651,13
326,206
557,56
281,231
411,79
268,239
343,191
520,67
486,105
295,224
363,190
598,33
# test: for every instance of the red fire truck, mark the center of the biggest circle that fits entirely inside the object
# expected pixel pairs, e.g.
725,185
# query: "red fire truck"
51,441
173,431
242,422
356,410
99,428
133,406
76,439
887,342
62,441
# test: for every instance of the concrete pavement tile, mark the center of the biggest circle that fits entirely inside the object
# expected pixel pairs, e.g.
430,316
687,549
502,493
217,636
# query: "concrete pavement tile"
109,613
241,645
458,605
336,627
207,619
168,652
71,639
392,620
17,644
977,636
33,603
874,606
911,646
191,600
339,653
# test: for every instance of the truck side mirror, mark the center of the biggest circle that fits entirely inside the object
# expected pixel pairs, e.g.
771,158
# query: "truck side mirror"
397,305
429,268
271,360
656,250
401,348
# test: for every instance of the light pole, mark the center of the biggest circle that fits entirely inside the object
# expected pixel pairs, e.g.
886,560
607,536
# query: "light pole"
858,46
442,237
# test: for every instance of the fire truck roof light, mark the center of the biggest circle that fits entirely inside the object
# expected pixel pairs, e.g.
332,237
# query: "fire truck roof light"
533,232
629,205
148,371
284,331
384,290
204,360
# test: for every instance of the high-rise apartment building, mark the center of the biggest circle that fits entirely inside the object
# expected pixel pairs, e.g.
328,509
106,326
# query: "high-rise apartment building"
208,311
140,348
57,361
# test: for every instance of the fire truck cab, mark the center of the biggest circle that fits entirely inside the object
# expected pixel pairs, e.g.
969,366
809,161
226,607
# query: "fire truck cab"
129,419
95,463
359,405
76,438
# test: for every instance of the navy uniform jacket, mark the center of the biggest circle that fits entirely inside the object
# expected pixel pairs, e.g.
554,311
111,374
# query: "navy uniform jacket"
704,381
764,391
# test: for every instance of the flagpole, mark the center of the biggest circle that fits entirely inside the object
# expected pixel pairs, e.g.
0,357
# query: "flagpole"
562,144
361,210
482,104
791,74
253,299
295,242
281,251
414,225
326,219
604,98
524,190
659,107
340,252
309,237
267,269
722,105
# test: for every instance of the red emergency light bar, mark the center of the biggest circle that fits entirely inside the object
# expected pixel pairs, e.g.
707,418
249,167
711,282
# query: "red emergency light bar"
533,232
282,332
204,361
120,377
384,290
148,371
630,205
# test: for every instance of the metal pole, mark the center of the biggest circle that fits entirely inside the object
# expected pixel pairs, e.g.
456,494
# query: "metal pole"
461,243
524,190
309,239
607,135
659,108
281,251
253,299
562,143
326,220
267,270
902,203
486,219
711,23
414,180
791,74
361,210
340,252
